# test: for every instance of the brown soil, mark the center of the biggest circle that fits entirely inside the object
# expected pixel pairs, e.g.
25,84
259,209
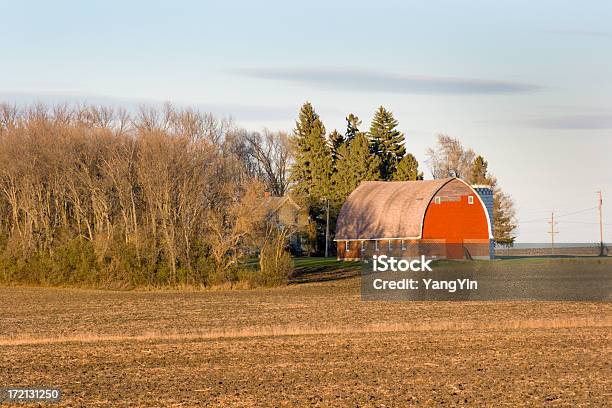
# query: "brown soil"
303,345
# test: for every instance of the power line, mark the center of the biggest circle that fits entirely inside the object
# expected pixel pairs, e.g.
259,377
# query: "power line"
553,223
528,221
558,216
583,222
576,212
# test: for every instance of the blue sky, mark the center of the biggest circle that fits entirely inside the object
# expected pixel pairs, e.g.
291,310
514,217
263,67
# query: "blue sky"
526,84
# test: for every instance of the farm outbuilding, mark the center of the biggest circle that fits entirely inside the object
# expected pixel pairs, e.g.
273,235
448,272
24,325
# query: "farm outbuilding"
443,218
286,214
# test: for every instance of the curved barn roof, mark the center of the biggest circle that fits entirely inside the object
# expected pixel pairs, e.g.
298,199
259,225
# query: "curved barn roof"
382,209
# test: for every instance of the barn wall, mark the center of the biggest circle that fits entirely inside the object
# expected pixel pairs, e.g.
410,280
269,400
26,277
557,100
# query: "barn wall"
462,225
431,248
352,253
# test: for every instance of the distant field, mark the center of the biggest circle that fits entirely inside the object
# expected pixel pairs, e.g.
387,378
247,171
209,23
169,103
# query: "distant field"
313,344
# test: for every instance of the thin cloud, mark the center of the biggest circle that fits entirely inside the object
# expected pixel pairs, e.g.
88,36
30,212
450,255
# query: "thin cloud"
352,80
575,122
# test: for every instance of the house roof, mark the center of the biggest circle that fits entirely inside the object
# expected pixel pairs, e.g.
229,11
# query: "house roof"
383,209
273,204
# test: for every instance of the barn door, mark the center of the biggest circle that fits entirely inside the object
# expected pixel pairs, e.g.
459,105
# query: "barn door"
454,249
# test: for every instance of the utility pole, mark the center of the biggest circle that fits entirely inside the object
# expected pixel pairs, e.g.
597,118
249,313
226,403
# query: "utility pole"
601,243
327,229
552,232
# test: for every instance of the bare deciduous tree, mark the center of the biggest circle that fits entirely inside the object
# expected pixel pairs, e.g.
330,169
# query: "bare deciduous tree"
272,153
449,159
159,198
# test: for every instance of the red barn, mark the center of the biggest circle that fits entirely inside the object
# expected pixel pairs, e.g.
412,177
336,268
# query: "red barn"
444,218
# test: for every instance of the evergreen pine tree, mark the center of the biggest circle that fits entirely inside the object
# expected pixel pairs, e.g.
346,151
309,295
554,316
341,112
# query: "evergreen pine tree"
386,142
341,179
352,127
354,165
336,139
478,173
407,169
311,172
504,218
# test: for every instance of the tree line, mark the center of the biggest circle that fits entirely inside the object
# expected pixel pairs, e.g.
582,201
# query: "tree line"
328,167
97,196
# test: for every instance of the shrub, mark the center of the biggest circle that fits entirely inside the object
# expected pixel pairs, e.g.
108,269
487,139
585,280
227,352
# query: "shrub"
275,263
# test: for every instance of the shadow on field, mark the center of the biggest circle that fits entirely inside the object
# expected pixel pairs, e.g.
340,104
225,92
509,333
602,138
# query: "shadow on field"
309,270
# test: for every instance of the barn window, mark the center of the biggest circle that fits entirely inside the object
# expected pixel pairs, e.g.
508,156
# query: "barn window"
403,245
390,245
347,246
437,200
376,245
470,199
